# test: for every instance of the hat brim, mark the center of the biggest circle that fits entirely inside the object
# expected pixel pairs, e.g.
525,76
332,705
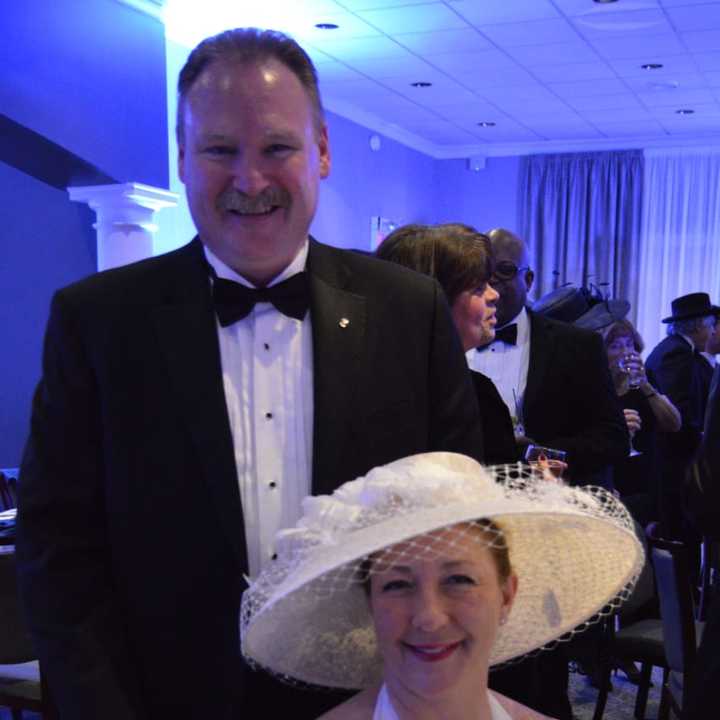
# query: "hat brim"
707,312
602,314
570,566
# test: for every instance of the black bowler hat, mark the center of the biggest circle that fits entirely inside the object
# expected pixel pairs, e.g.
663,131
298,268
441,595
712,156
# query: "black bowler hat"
581,307
691,306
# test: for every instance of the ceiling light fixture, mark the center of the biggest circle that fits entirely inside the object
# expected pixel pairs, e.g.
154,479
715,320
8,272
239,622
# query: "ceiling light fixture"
685,111
421,84
326,26
651,66
604,2
486,123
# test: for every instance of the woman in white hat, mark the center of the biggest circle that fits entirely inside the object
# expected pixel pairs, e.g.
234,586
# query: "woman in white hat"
409,583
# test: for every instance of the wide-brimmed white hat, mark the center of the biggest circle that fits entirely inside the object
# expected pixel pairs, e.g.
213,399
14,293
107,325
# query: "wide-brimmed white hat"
307,618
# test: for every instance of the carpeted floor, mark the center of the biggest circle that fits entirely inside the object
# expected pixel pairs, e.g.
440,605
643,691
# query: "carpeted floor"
620,704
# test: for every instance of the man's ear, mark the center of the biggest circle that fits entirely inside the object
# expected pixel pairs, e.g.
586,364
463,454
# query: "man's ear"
529,277
324,148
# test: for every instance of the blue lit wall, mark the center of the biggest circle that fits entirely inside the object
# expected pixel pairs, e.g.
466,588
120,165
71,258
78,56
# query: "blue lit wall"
89,76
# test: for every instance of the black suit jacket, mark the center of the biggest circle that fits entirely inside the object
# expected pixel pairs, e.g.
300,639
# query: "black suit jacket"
130,545
570,402
673,368
498,435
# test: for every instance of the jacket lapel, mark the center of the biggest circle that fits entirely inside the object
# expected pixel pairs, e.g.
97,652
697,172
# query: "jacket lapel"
185,323
339,324
542,343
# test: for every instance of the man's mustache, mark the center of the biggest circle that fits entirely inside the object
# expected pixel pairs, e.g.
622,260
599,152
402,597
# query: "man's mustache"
266,200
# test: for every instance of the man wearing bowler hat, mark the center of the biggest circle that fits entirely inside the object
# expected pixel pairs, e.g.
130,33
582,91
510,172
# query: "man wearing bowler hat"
674,368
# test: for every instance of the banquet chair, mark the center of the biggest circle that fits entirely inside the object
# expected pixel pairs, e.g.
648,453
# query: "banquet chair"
21,685
626,640
8,498
677,611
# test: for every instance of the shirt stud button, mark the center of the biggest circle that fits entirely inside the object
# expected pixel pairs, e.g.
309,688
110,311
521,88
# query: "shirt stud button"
268,415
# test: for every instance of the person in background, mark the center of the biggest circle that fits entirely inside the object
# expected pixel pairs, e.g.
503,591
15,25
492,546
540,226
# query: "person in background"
458,257
647,412
554,378
673,367
190,401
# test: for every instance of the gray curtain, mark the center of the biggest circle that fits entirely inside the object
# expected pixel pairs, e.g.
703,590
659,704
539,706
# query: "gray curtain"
580,215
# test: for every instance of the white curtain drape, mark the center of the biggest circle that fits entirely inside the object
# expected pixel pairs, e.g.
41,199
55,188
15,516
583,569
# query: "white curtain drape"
680,233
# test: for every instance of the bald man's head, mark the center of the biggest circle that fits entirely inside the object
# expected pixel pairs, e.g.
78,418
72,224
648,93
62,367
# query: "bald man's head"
512,277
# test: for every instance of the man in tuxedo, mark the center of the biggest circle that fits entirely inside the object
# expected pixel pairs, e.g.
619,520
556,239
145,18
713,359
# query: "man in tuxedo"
677,370
188,402
555,380
553,377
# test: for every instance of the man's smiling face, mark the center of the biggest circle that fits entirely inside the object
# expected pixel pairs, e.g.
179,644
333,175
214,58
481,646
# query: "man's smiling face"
251,157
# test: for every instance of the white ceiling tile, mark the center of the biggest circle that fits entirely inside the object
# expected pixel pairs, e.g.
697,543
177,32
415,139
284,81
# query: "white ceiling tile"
554,30
713,78
553,54
356,5
514,105
552,132
407,66
443,133
604,102
349,26
671,65
329,73
676,98
511,76
414,19
586,8
485,12
677,3
695,17
443,41
442,91
702,40
348,50
506,131
607,86
570,72
679,82
352,88
636,113
470,114
708,61
643,47
604,25
485,62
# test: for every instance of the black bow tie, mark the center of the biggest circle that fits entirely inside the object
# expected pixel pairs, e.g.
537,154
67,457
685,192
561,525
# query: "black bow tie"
234,301
507,334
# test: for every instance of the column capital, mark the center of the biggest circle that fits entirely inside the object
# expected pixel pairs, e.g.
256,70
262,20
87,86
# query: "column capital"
125,214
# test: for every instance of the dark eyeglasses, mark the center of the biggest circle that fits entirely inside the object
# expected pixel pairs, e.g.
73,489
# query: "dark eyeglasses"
506,270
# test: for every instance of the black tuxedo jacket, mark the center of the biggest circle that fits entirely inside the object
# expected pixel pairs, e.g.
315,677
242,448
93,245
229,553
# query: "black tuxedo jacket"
675,370
130,545
570,402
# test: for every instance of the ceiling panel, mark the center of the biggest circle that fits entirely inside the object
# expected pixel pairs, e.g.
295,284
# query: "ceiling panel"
695,17
467,40
555,30
487,12
553,54
544,71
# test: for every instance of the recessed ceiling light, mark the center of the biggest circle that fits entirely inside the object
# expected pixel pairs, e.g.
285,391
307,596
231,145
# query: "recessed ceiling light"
421,84
685,111
651,66
326,26
486,123
604,2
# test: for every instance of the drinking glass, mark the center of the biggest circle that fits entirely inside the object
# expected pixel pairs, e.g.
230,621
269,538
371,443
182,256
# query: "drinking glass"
550,461
632,365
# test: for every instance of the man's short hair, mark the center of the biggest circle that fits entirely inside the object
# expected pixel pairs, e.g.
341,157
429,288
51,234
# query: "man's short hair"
456,255
246,46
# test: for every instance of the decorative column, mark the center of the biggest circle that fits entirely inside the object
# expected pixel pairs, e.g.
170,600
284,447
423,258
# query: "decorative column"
125,215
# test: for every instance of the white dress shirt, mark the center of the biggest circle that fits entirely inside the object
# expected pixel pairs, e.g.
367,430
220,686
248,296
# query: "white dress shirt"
507,365
267,367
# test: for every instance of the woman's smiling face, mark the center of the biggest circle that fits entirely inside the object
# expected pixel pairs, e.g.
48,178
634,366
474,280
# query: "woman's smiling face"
437,603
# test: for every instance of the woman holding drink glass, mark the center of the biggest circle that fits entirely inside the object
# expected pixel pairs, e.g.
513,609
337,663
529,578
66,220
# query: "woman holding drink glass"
646,412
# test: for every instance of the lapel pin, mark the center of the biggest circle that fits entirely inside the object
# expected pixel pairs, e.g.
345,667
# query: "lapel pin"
344,322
